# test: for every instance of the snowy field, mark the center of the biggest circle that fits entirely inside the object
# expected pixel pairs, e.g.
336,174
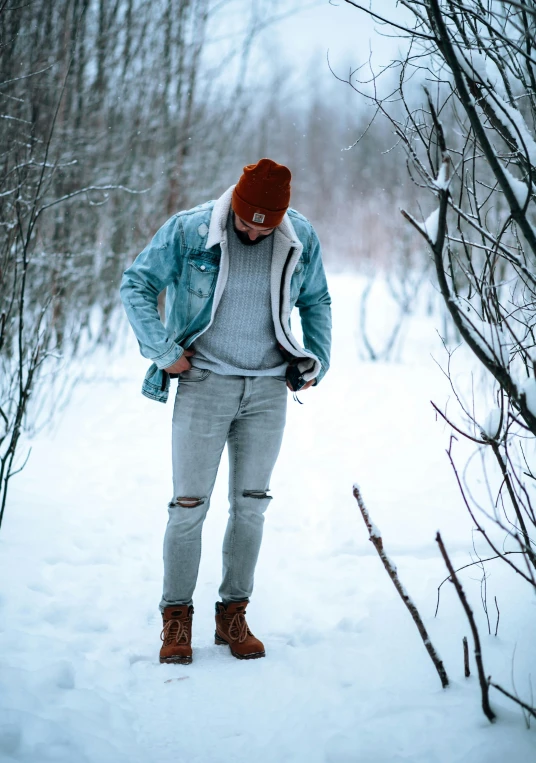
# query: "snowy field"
346,678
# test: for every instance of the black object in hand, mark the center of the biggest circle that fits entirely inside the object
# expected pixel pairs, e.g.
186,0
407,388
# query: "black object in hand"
295,378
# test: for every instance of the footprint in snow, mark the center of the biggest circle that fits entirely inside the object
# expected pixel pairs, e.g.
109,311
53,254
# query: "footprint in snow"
56,614
91,625
308,637
10,739
349,625
134,658
40,588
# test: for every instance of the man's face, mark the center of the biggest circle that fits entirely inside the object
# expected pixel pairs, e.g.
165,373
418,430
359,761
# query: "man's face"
249,233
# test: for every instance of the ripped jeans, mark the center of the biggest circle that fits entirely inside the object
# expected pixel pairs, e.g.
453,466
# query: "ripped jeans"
248,413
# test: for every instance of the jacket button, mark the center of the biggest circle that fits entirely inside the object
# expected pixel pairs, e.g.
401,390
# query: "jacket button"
202,267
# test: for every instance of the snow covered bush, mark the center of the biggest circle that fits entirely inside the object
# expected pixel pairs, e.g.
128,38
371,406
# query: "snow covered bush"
470,143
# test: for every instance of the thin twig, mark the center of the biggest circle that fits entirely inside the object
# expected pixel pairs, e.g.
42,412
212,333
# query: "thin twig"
524,705
471,564
498,615
466,668
488,712
377,542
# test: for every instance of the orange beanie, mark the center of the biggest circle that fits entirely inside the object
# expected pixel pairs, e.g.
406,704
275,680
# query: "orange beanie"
262,194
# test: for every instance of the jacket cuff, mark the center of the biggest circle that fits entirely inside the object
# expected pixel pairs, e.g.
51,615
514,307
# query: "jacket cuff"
320,376
168,358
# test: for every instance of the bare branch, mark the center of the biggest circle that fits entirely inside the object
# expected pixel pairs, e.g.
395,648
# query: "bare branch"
488,712
377,542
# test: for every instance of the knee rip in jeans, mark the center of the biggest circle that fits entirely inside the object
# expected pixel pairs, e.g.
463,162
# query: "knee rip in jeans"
185,502
259,494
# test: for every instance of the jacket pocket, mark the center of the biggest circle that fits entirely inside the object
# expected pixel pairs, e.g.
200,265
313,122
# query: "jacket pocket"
201,277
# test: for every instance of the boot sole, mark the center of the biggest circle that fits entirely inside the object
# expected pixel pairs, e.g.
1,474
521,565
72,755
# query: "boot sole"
219,641
175,660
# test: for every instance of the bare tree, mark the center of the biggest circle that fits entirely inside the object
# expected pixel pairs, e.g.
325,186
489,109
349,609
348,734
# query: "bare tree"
88,119
34,324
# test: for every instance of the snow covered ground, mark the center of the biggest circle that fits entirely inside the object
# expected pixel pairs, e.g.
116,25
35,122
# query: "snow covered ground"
346,678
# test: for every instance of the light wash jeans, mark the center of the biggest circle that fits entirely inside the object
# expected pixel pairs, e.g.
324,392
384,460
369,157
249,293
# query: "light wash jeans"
248,413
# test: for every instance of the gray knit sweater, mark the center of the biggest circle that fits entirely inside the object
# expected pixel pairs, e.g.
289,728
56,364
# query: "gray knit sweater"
241,340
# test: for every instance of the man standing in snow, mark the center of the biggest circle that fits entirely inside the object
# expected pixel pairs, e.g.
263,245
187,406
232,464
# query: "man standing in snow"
234,268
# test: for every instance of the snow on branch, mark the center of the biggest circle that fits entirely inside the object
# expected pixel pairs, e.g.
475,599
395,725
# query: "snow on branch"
528,389
491,338
519,188
430,226
442,180
491,428
477,71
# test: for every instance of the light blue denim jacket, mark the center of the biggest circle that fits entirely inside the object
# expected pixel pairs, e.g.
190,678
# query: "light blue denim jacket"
188,255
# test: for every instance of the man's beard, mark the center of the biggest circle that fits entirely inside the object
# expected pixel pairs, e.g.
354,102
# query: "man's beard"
245,239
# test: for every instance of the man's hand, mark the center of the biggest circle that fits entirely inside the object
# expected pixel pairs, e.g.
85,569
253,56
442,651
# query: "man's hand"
182,364
305,386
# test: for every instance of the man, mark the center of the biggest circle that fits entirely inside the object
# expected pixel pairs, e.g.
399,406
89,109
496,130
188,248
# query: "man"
233,269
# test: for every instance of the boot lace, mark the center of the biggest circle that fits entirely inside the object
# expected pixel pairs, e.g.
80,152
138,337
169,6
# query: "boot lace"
174,630
238,627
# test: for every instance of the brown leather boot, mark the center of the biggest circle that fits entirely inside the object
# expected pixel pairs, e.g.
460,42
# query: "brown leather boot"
232,629
177,635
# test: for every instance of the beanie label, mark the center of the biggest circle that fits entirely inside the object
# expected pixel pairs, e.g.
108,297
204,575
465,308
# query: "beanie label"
258,218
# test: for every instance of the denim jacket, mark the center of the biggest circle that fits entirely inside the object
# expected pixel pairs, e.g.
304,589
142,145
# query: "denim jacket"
188,255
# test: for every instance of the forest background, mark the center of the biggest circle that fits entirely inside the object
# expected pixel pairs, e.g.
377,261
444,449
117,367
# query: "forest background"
117,114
